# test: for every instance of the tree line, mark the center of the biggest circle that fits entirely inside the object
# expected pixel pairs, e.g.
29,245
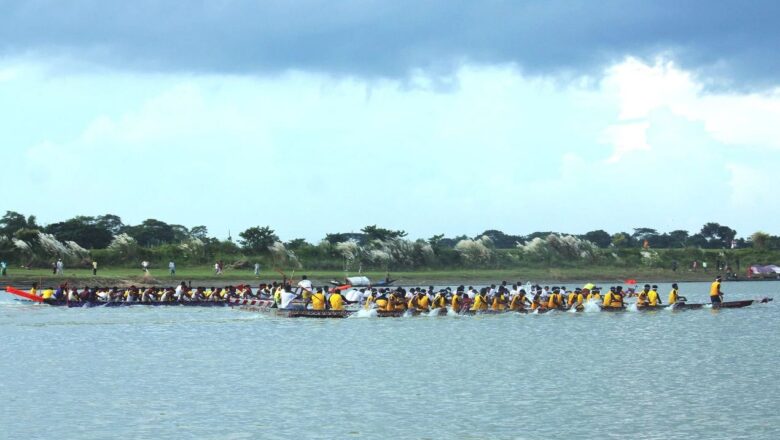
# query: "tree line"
83,237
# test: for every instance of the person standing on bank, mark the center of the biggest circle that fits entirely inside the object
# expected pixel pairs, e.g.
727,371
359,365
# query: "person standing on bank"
716,295
94,268
172,268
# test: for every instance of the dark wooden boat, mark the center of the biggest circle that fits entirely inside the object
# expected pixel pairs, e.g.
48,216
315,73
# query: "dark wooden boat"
733,304
306,313
613,309
686,306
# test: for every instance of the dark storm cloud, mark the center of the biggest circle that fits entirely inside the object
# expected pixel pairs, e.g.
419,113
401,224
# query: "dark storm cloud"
735,41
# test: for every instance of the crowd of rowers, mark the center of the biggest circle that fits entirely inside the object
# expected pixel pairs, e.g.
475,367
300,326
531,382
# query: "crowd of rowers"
304,295
180,293
496,298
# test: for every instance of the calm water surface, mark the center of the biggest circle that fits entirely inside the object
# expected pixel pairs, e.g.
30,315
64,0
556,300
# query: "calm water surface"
143,372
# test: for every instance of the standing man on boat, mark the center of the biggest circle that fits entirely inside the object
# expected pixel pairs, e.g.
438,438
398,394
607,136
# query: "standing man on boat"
716,295
305,289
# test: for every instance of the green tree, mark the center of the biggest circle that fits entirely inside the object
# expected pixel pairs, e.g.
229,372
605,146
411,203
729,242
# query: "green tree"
373,232
500,239
760,239
598,237
112,223
199,232
621,240
258,239
297,244
677,238
13,221
151,233
84,230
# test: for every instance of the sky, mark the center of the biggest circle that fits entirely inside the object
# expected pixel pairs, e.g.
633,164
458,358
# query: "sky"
432,117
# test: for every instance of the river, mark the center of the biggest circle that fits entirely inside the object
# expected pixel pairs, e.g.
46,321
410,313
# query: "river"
220,373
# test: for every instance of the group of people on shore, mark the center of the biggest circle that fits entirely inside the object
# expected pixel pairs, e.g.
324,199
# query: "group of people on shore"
498,298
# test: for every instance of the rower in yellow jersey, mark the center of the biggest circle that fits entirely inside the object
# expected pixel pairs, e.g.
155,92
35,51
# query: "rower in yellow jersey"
499,301
716,295
456,301
34,289
480,300
440,300
423,303
381,301
519,301
594,295
370,299
653,300
674,296
579,305
614,298
642,299
336,301
572,297
318,300
556,299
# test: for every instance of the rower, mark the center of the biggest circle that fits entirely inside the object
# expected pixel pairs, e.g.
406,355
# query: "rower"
580,300
519,301
499,300
480,301
381,300
572,297
556,299
642,299
369,299
536,302
716,295
652,297
594,295
336,301
440,300
318,300
456,301
34,289
614,298
674,296
423,303
287,298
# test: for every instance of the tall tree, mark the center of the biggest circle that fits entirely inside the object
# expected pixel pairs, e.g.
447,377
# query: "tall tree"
199,232
598,237
258,239
151,232
12,221
110,222
677,238
84,230
373,232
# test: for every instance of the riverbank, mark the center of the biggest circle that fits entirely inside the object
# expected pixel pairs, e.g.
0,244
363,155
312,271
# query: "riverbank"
122,277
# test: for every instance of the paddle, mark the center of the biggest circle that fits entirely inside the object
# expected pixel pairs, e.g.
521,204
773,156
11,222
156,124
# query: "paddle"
23,294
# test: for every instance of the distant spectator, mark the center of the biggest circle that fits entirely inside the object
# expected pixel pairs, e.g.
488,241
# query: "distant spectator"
3,268
94,268
60,269
172,268
145,266
257,269
674,266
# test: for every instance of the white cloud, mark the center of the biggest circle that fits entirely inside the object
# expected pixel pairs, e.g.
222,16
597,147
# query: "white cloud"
493,142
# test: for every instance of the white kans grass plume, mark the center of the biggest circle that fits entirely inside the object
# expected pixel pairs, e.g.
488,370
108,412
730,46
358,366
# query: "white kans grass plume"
475,251
282,256
564,246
